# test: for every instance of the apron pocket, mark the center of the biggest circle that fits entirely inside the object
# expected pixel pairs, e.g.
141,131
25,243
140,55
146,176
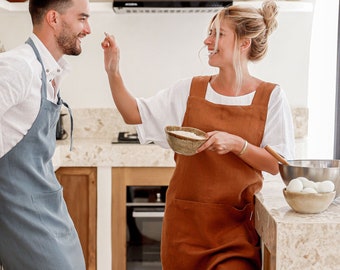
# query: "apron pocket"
53,213
201,223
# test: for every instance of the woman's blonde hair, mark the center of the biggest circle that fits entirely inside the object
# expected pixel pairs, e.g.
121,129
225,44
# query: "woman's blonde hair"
251,23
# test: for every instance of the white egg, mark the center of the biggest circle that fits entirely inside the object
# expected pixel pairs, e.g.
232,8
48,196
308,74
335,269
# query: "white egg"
307,183
325,186
309,190
302,179
295,185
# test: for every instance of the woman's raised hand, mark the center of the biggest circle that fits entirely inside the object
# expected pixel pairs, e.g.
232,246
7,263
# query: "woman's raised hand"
111,54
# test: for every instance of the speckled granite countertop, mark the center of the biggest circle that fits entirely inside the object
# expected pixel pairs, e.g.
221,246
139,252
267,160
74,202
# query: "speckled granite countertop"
95,128
295,241
101,152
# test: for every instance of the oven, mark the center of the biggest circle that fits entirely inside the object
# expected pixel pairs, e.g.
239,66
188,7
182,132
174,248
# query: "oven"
144,217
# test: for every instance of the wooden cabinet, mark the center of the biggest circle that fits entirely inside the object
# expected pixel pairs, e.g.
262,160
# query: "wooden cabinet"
80,193
121,178
268,259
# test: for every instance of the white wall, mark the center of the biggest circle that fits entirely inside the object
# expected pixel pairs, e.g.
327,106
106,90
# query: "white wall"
322,83
159,49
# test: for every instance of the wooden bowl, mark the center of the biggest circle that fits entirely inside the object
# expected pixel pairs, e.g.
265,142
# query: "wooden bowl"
185,140
308,203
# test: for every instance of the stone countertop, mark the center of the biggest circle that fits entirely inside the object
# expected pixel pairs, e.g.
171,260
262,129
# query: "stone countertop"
295,241
102,153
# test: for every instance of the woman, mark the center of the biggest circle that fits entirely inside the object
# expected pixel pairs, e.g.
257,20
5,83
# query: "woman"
208,222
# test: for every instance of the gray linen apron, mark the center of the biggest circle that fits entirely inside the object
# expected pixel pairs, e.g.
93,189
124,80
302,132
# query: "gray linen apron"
36,231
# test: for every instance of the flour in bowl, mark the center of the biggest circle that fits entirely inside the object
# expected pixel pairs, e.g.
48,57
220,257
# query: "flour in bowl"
187,134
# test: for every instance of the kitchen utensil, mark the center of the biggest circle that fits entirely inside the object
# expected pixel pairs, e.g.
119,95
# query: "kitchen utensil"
276,155
185,140
308,203
127,137
61,133
312,169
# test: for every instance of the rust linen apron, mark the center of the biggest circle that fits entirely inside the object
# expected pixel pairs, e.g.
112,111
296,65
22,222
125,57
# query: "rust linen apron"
210,200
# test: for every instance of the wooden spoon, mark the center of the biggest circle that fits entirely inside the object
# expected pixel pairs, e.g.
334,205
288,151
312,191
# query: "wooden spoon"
276,155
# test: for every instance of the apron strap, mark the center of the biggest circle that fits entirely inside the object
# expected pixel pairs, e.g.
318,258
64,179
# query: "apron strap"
262,94
199,86
43,74
44,92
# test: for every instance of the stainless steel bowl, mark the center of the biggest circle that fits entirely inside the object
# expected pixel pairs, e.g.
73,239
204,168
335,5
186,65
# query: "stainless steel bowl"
312,169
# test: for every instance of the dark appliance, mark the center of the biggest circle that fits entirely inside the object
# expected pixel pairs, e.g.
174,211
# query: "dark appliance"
61,133
144,216
126,137
168,6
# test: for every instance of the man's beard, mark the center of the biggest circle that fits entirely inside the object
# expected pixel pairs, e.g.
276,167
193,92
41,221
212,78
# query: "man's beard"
68,41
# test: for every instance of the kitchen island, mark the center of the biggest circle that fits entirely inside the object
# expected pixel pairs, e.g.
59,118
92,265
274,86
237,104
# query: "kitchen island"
296,241
290,240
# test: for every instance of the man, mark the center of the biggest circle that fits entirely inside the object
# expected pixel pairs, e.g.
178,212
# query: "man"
36,231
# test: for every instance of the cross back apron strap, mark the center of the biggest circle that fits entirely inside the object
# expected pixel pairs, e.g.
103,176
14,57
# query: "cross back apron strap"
44,93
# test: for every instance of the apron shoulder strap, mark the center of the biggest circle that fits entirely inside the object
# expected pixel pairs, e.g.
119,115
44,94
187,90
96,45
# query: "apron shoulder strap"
43,74
199,85
44,89
263,93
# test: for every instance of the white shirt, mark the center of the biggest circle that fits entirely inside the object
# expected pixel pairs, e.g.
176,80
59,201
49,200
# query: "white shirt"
20,89
168,107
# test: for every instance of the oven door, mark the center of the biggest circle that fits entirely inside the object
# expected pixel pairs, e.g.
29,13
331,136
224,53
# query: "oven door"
145,211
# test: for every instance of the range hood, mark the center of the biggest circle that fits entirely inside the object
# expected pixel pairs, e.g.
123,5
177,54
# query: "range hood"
169,6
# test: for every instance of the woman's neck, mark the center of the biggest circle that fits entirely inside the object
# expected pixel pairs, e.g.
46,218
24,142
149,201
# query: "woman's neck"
225,84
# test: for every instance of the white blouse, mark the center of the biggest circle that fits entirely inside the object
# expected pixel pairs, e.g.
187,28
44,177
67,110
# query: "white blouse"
168,107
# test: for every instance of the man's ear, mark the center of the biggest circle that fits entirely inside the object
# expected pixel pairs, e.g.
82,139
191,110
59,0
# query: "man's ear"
52,18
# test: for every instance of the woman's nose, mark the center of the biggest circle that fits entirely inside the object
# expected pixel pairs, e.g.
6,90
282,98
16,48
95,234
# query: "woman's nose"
208,40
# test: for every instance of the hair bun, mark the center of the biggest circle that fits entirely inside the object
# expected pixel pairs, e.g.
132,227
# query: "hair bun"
269,12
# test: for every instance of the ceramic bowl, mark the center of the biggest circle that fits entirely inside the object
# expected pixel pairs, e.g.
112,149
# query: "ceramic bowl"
308,203
185,140
312,169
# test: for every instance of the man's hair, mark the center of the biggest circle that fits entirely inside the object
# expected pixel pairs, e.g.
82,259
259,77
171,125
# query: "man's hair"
38,8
